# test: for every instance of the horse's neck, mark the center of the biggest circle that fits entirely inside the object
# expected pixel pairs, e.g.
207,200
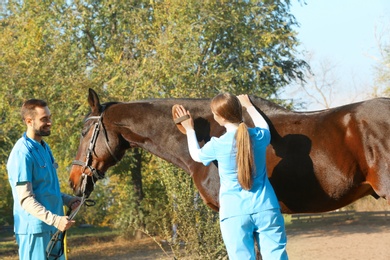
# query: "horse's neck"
150,126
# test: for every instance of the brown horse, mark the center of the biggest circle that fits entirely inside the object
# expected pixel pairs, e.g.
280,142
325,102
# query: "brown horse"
317,161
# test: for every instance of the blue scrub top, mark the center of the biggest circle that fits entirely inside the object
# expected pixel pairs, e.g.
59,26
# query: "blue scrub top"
31,161
235,201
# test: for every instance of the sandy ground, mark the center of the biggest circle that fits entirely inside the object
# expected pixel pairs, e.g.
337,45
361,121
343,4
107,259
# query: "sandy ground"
337,240
362,240
322,240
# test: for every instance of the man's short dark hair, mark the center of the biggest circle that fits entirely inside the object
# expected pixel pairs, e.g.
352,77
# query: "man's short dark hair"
28,107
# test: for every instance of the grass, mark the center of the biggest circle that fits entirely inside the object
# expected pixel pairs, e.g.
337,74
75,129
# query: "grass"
9,248
75,233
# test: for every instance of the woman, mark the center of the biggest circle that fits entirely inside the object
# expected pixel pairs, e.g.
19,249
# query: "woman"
249,208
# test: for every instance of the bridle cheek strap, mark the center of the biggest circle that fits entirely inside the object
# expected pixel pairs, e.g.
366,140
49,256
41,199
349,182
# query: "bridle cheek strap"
93,171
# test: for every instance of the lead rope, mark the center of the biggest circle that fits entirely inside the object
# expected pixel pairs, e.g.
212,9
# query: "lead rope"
59,236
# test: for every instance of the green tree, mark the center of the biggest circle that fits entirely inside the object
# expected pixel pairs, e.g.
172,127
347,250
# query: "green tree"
143,49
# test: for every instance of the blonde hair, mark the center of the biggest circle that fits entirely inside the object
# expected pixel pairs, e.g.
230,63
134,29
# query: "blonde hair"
229,107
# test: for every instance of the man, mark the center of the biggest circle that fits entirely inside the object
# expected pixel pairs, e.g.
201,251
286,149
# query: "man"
38,202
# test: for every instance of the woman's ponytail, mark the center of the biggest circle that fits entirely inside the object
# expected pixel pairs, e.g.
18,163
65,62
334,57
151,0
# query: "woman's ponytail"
229,107
244,159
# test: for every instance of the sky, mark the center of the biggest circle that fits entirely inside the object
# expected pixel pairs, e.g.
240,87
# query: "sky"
342,33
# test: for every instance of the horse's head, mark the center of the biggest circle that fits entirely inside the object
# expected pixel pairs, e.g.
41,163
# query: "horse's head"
98,149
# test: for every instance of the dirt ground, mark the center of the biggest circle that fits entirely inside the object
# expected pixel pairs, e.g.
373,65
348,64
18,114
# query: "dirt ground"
324,240
348,240
321,240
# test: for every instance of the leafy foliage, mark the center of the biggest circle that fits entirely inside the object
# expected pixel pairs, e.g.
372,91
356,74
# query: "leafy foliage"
192,221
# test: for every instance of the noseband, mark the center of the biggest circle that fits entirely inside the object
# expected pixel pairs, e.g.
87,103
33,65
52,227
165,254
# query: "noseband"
88,159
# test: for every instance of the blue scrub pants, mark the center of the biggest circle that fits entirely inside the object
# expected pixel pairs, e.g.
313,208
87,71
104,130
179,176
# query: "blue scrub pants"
33,246
267,227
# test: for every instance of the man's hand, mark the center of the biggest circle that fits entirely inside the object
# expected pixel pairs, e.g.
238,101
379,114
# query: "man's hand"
65,223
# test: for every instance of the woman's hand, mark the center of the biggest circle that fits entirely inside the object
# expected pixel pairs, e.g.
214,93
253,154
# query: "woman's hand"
244,100
188,123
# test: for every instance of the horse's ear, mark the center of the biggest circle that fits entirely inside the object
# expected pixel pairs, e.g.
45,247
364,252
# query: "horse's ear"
93,101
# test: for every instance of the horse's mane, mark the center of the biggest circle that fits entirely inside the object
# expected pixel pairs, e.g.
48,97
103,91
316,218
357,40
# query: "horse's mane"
108,104
264,104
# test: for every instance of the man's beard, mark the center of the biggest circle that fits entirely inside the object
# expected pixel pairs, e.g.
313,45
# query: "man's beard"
39,132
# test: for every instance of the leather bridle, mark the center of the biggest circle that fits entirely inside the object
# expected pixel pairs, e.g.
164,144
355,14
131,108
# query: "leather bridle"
93,172
58,237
